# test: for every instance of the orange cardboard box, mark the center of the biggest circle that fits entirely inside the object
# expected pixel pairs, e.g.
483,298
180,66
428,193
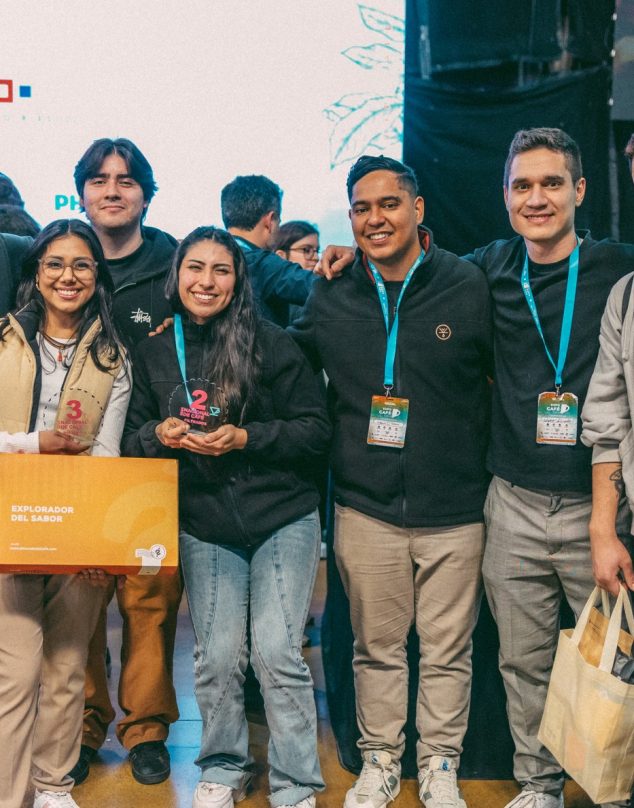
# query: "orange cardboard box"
62,514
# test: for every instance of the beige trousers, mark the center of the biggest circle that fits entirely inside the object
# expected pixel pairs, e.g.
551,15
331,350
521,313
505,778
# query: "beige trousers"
394,578
46,622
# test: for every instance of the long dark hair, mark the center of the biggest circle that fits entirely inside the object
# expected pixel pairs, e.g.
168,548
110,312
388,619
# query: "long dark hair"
107,343
232,355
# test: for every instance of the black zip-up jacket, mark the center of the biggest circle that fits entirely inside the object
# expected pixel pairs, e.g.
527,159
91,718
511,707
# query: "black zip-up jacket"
139,305
240,498
443,356
12,250
277,283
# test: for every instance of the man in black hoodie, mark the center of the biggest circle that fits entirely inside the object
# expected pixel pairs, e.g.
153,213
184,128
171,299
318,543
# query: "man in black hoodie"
405,339
115,183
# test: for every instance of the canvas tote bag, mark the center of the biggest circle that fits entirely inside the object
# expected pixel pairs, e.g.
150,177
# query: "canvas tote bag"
588,721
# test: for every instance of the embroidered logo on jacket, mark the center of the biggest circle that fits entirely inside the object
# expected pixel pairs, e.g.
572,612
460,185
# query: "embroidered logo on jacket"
443,332
140,316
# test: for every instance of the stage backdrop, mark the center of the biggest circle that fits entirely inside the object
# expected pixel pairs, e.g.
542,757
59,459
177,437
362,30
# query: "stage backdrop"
457,142
292,89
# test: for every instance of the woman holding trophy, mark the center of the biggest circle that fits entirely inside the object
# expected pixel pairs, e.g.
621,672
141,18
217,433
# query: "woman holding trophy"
65,390
233,399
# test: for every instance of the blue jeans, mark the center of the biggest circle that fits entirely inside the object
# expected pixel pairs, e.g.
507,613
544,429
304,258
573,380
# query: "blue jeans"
272,584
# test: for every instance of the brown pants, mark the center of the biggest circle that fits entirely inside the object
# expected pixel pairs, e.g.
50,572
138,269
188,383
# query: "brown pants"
46,622
395,577
149,607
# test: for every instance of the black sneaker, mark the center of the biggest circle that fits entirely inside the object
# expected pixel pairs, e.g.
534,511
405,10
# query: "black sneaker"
150,762
81,769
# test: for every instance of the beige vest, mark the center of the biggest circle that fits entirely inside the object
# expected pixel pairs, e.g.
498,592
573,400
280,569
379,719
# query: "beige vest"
84,380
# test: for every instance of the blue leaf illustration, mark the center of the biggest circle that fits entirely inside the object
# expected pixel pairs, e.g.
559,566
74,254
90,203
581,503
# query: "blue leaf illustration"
391,27
384,57
354,132
346,104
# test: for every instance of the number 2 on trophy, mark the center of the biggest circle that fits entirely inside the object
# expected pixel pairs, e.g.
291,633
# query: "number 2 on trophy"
199,399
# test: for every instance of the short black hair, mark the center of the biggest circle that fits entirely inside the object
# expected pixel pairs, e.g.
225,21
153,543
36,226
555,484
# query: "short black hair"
17,221
246,199
9,194
629,149
92,159
367,164
543,137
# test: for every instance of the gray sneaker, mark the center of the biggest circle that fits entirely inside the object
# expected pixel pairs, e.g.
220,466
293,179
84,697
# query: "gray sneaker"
438,785
378,783
536,799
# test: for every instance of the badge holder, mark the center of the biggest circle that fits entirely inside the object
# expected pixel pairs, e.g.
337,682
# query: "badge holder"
388,421
557,418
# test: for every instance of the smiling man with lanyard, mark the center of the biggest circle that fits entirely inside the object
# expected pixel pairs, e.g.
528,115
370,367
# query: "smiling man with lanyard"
405,339
549,286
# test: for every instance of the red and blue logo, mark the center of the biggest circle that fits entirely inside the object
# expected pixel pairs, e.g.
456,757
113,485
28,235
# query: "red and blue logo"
10,91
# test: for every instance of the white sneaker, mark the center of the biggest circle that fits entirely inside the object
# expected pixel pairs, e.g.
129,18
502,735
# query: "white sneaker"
307,802
215,795
378,783
438,785
536,799
53,799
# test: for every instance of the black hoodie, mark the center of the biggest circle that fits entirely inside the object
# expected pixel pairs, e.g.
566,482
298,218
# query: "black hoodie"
139,303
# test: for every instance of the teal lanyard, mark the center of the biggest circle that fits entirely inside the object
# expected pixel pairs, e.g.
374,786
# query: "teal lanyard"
179,340
244,244
566,322
392,333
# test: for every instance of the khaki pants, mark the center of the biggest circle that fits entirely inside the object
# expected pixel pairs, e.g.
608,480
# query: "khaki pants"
149,607
394,577
46,622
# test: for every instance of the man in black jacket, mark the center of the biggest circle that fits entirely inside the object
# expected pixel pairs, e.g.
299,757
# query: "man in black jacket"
405,339
115,183
251,208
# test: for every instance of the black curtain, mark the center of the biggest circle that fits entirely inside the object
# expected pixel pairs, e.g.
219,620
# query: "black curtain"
457,140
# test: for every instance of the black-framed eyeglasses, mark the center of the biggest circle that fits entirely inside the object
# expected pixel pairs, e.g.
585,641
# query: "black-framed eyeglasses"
309,252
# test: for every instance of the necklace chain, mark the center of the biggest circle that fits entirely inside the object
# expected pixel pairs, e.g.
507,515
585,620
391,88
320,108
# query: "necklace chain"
63,348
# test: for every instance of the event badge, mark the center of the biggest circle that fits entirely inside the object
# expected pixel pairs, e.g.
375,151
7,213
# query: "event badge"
388,415
556,412
388,421
200,403
557,418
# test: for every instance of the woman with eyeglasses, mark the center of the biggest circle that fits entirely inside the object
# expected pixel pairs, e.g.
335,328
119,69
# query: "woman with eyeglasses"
298,241
61,362
232,397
